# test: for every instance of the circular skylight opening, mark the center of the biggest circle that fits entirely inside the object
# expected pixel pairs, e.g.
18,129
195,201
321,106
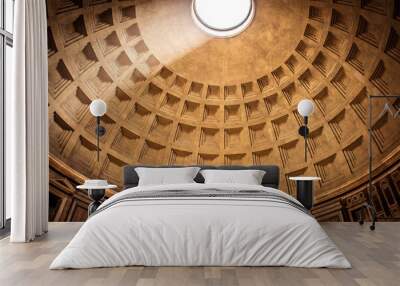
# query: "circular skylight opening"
223,18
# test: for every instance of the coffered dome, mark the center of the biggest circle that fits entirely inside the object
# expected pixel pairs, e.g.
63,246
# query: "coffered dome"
177,95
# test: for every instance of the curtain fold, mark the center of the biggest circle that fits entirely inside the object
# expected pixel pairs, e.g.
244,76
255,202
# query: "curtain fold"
27,124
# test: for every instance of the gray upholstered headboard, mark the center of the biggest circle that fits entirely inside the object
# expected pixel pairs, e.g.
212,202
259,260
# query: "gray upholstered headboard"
271,177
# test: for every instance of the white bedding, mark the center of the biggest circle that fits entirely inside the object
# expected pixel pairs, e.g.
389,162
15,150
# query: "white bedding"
200,231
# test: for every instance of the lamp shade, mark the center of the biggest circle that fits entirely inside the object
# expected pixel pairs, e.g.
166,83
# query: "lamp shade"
98,107
305,107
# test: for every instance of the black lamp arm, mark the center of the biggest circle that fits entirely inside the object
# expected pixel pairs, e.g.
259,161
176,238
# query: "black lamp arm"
304,131
100,131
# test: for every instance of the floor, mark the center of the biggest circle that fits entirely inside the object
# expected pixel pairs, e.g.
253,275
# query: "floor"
375,257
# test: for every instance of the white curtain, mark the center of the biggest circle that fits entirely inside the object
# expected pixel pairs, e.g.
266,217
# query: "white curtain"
27,125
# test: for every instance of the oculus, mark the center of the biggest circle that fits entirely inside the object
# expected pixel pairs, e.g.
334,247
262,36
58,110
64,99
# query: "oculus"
223,18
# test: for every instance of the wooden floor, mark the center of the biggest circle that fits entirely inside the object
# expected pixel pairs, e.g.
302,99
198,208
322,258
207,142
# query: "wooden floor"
375,257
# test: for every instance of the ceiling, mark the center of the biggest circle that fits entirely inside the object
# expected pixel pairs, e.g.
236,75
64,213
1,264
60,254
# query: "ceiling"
177,96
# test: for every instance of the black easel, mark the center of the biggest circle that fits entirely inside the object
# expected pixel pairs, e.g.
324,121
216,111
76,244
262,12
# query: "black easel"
369,205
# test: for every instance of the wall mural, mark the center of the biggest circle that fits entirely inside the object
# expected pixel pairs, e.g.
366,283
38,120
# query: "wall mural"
176,96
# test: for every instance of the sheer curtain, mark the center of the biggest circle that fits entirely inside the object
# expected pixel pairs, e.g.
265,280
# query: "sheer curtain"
27,125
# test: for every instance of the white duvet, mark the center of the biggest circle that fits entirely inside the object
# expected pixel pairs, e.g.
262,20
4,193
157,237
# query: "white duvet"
200,231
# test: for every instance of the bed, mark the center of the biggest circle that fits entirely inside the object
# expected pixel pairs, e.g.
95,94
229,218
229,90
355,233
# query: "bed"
198,224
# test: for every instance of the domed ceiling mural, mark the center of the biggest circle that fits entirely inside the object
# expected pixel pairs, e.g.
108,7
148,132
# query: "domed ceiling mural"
177,96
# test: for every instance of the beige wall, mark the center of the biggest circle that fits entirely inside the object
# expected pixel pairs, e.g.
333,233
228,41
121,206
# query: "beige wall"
177,96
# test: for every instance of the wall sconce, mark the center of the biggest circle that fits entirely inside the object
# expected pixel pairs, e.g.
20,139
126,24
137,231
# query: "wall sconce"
305,109
98,108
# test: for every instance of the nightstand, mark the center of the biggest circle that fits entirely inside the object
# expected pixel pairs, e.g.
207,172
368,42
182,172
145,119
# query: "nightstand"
96,191
305,190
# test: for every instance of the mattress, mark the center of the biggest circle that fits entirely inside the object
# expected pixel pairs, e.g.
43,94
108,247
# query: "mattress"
201,225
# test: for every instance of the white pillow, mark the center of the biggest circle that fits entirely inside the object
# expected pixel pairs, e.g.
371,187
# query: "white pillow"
248,177
166,176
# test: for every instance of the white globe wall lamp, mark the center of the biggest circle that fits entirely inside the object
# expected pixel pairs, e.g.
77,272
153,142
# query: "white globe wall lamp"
98,108
305,109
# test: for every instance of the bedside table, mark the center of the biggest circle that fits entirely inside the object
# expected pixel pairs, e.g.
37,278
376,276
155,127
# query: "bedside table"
305,190
96,190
